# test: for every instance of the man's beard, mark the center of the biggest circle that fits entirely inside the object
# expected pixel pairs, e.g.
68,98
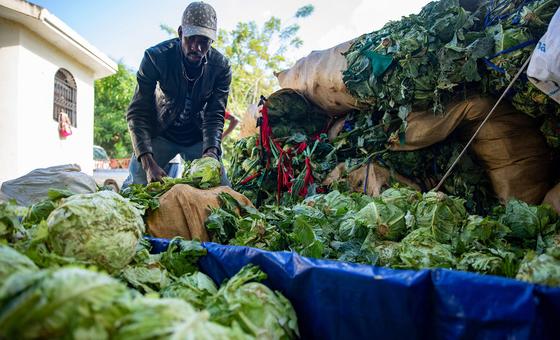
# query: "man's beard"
192,62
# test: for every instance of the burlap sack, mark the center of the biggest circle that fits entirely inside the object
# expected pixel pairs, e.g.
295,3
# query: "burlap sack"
552,198
184,209
378,178
248,125
319,77
509,146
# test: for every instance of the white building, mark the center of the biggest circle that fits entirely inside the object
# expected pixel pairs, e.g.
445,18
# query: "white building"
42,59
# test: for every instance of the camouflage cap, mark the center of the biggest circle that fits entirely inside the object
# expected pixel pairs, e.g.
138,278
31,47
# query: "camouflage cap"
199,18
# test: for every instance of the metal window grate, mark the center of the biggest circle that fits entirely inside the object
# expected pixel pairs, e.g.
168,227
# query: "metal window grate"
65,95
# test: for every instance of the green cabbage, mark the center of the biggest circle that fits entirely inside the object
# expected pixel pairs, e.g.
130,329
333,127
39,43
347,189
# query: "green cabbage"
332,204
443,215
480,232
102,228
404,198
387,220
543,269
12,261
489,261
196,288
204,173
527,221
387,253
149,318
10,225
420,249
69,302
255,307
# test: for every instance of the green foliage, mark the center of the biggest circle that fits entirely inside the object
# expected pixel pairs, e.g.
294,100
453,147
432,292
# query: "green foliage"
255,52
424,61
112,97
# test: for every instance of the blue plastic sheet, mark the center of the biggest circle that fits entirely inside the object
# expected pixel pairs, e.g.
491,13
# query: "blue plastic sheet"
337,300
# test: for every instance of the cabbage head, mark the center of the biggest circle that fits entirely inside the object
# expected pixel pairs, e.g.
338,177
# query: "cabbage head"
387,220
404,198
488,261
196,288
386,253
204,173
420,249
332,204
480,232
259,311
150,318
12,261
528,221
65,303
543,269
443,215
102,228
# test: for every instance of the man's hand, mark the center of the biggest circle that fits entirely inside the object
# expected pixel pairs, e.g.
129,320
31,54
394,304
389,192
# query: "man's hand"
153,172
212,152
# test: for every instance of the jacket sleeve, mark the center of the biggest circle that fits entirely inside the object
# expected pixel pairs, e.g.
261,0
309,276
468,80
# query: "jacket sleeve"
213,119
141,114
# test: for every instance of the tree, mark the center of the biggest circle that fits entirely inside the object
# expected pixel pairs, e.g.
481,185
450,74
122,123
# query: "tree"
255,53
112,97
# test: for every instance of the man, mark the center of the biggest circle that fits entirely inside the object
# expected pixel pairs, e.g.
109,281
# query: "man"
178,106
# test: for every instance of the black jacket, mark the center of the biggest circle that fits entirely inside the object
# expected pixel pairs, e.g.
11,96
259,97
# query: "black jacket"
151,111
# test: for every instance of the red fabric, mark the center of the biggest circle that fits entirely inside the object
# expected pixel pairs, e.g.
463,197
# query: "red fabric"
227,114
266,130
301,148
250,178
308,179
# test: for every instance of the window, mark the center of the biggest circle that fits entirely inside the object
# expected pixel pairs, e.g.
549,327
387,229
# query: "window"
65,95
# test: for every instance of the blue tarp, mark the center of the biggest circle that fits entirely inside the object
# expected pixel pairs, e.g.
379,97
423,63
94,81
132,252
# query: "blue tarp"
338,300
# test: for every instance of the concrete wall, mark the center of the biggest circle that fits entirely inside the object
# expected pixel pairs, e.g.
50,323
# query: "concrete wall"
9,60
32,136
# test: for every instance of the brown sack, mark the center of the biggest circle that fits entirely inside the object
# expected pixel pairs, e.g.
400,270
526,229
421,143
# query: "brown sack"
319,78
515,155
248,124
378,179
184,209
426,128
552,198
509,146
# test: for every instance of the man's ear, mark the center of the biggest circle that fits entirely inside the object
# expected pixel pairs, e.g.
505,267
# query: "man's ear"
180,32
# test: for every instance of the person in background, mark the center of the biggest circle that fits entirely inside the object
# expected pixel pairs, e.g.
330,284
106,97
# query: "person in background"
178,106
233,121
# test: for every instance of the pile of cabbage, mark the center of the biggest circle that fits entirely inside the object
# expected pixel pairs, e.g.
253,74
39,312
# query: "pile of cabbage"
402,229
76,266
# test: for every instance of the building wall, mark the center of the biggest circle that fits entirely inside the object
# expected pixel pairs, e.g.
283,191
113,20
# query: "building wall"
9,59
35,132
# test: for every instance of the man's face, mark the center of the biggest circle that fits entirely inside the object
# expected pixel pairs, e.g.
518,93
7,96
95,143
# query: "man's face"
195,47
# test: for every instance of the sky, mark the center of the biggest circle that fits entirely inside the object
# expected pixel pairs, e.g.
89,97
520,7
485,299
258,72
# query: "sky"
123,29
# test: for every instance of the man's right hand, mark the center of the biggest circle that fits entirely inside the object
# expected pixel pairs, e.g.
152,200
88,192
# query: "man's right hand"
153,172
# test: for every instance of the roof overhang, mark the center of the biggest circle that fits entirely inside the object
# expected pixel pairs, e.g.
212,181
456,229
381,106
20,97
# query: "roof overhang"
40,21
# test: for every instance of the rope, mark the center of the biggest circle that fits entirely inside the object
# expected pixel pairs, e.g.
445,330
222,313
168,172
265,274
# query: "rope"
367,177
481,125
